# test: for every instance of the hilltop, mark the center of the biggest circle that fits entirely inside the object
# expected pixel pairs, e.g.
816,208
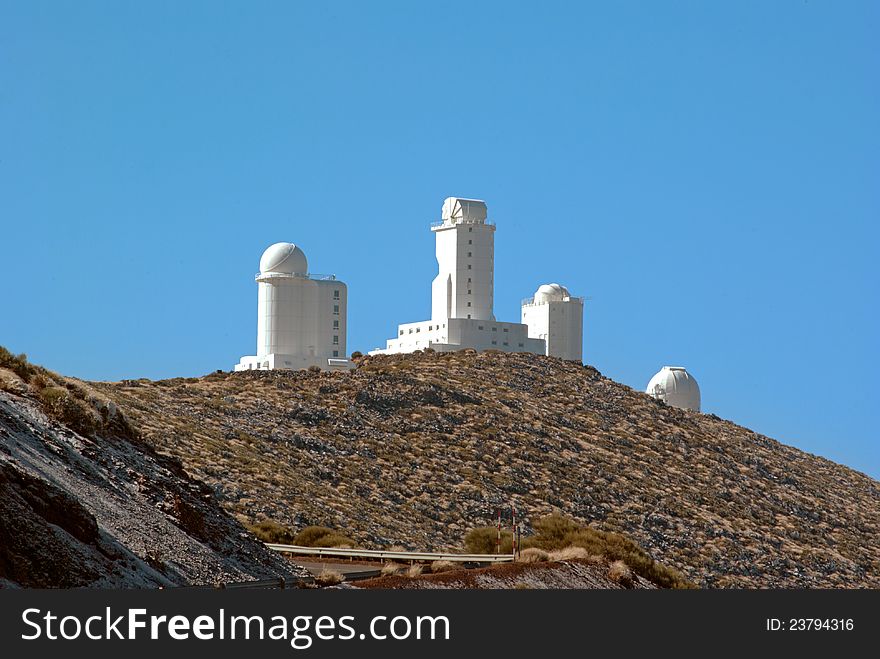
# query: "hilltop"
414,450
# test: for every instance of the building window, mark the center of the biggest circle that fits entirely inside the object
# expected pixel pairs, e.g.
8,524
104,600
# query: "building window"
410,330
479,327
401,332
494,343
470,230
418,329
520,345
469,266
494,329
469,315
444,324
470,242
469,304
470,254
335,295
336,339
469,280
336,309
335,324
469,291
505,329
505,343
336,353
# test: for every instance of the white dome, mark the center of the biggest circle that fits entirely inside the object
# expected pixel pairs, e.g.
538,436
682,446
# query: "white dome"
551,293
284,258
676,387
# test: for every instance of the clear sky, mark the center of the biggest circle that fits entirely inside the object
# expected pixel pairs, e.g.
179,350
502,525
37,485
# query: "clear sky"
708,173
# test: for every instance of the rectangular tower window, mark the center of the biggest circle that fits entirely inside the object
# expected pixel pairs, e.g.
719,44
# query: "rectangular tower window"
336,353
336,339
469,266
336,309
335,295
479,327
470,242
469,304
335,324
494,343
470,254
469,291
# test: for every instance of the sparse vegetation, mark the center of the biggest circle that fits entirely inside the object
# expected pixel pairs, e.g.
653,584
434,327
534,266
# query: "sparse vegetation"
269,531
443,566
415,570
484,540
392,568
329,578
322,536
619,572
533,555
417,449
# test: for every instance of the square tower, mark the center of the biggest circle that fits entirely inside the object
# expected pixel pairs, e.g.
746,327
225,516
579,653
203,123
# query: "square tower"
464,286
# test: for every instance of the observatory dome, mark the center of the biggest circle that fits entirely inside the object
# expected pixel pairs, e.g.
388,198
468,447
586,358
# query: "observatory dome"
551,293
284,258
676,387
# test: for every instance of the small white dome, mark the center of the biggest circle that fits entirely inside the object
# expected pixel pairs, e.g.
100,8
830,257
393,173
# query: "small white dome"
284,258
551,293
676,387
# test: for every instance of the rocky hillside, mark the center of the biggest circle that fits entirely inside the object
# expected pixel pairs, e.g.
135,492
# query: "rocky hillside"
415,450
103,509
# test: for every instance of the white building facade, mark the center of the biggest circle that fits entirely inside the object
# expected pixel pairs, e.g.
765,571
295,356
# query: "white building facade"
557,318
301,318
462,297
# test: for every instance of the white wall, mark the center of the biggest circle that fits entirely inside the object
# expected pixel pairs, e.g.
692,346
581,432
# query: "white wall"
464,285
560,324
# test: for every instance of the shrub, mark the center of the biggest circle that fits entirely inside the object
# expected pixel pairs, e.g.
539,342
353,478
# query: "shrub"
619,572
392,568
71,411
322,536
415,570
314,369
16,363
443,566
356,355
484,539
533,555
269,531
329,578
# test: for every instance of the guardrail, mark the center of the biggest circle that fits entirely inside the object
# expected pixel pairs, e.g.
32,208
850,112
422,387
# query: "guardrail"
380,554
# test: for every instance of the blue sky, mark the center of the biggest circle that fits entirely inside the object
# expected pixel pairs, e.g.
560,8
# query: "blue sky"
707,173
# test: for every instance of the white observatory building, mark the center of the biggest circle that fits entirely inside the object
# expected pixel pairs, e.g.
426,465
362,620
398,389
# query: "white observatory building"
462,298
675,386
300,317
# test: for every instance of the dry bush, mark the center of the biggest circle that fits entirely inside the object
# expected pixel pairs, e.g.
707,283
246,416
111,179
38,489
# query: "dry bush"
322,536
619,572
555,532
269,531
329,578
415,570
569,554
391,569
484,540
443,566
533,555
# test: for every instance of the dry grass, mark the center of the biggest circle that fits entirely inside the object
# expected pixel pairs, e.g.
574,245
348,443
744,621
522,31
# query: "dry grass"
533,555
443,566
619,572
329,578
415,570
569,554
392,568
